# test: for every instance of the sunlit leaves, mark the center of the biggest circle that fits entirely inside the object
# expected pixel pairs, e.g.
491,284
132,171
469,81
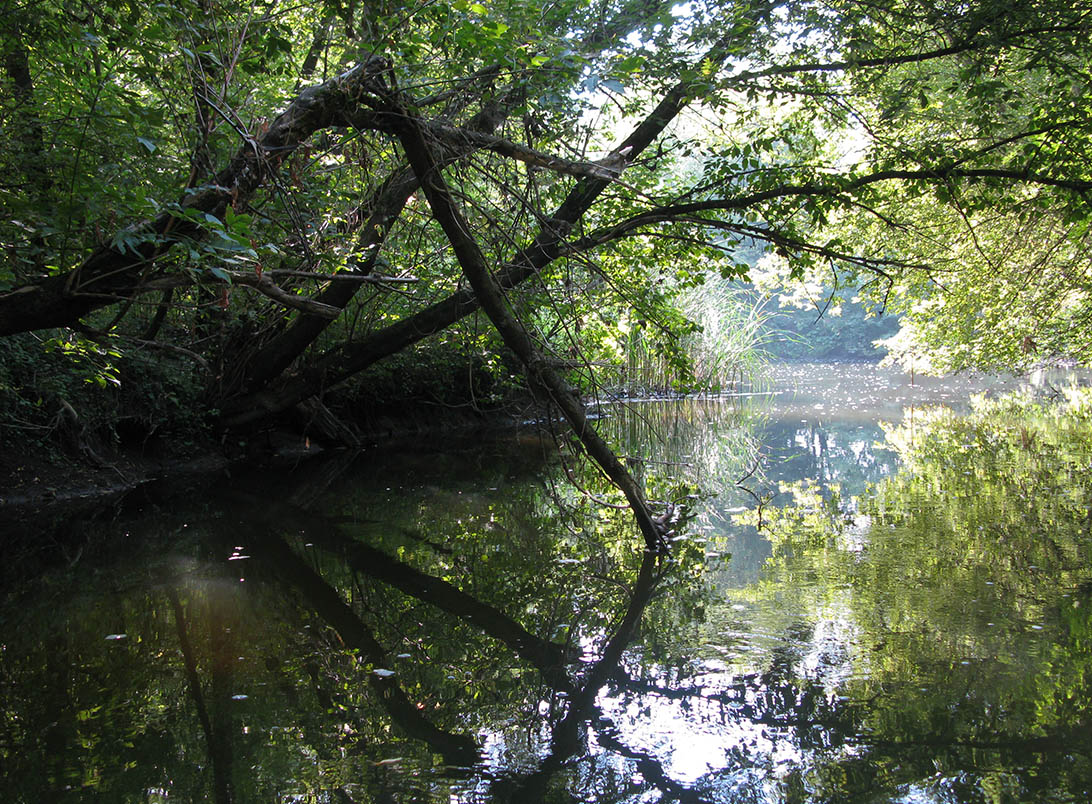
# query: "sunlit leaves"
96,362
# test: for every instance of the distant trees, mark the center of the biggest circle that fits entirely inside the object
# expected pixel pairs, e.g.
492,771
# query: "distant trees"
287,195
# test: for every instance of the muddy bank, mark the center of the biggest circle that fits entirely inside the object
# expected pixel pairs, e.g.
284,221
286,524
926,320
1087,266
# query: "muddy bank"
36,478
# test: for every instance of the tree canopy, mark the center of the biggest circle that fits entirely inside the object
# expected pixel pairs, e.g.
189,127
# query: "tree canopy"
285,195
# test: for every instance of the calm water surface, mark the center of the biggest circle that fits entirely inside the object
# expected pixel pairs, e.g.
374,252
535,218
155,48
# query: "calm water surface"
875,594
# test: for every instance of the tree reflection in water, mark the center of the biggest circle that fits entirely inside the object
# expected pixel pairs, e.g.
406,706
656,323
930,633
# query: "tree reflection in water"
445,628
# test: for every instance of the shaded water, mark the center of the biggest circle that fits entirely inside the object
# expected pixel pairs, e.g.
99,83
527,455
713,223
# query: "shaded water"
868,599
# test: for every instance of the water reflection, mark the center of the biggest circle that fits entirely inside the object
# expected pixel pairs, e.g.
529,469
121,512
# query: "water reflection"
881,607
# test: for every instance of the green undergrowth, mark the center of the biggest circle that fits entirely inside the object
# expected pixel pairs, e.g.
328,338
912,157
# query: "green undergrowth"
66,399
67,393
432,376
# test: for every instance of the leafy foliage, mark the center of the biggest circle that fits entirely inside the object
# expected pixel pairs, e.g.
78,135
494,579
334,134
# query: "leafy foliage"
68,394
230,181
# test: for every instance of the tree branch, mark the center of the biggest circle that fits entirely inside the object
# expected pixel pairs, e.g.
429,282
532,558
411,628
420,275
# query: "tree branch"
491,298
267,287
61,300
968,44
550,242
678,212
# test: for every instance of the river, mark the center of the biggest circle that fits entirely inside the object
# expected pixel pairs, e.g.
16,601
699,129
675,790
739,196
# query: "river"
878,590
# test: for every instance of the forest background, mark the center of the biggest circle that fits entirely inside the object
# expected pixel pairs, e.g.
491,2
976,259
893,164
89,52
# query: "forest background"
218,216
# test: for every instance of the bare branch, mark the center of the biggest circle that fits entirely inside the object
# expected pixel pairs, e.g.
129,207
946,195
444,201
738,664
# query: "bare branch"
267,287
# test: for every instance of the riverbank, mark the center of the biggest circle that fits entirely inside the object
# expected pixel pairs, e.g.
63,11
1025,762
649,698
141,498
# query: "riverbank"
37,475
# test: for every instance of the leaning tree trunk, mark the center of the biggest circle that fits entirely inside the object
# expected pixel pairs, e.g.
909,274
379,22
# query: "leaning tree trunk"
540,372
384,208
548,245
